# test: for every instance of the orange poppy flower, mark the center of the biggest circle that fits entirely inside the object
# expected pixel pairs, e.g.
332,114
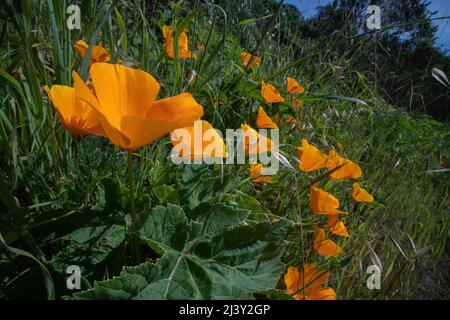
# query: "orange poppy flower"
98,54
209,144
270,94
311,158
124,102
336,226
183,40
323,202
297,103
360,194
264,121
76,116
291,120
255,143
307,283
255,173
246,57
293,86
349,169
323,246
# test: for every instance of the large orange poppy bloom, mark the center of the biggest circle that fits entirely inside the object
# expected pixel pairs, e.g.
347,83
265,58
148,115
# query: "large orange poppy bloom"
323,202
124,102
307,283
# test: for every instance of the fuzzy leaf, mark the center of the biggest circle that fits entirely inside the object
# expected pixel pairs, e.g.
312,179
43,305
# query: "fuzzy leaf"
215,256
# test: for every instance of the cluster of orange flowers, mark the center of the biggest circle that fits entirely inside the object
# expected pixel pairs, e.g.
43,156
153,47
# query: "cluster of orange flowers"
120,103
324,203
307,283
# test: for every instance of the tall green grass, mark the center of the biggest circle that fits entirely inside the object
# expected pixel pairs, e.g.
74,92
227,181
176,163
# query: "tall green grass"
52,183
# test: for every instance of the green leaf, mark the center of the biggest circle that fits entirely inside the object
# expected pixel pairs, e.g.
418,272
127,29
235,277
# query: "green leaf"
215,256
165,194
90,246
48,281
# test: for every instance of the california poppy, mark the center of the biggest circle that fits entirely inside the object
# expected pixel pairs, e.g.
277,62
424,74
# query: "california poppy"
98,54
210,143
270,94
311,158
75,115
297,103
348,169
124,102
264,121
323,246
307,283
254,142
255,173
293,86
246,57
183,40
360,194
291,120
336,226
323,202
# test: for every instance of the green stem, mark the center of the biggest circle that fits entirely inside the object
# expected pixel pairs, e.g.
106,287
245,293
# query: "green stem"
131,186
134,241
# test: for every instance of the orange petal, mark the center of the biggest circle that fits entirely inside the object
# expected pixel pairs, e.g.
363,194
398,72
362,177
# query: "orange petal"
324,246
293,86
270,94
255,173
98,54
85,94
322,202
312,278
182,108
291,280
349,169
322,294
123,91
361,195
75,115
183,41
336,226
311,158
210,144
264,121
254,143
246,57
297,103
